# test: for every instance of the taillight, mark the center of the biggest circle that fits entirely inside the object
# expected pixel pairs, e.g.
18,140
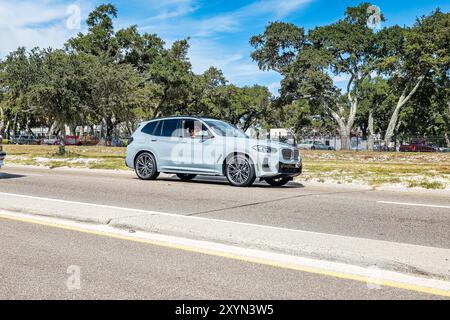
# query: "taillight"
130,140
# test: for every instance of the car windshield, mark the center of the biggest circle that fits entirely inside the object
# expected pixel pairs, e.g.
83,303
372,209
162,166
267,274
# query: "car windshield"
225,129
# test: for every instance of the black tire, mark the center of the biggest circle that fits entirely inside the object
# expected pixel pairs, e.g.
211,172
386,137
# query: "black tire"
145,166
278,182
240,171
186,177
313,148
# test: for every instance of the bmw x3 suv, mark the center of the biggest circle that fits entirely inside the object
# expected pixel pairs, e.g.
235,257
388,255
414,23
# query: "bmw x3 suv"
190,146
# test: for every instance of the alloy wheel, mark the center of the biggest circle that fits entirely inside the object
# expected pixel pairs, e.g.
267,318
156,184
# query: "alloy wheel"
240,171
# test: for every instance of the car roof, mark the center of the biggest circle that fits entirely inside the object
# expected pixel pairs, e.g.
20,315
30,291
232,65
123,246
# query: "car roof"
180,117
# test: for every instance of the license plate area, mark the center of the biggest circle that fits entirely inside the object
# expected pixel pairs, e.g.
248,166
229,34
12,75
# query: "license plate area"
286,168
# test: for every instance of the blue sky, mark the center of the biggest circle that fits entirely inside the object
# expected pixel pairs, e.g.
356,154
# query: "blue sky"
220,30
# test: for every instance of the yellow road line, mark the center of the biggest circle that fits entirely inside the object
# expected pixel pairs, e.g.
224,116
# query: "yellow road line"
266,262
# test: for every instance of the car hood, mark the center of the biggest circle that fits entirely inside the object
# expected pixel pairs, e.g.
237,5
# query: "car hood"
250,142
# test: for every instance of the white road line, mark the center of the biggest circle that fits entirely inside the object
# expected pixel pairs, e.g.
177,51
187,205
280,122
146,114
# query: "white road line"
414,204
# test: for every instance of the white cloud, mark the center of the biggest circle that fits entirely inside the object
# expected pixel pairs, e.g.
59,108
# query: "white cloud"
208,47
237,66
24,13
277,8
35,23
226,22
162,11
232,21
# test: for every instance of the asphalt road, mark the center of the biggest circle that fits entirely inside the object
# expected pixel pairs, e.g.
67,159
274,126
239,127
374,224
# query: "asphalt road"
35,260
335,210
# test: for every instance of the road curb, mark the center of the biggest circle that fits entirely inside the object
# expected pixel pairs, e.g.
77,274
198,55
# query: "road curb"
399,257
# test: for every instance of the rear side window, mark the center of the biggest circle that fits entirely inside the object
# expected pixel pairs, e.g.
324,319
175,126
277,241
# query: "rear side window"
149,128
169,128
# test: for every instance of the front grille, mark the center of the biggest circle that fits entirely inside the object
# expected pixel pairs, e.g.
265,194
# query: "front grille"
289,154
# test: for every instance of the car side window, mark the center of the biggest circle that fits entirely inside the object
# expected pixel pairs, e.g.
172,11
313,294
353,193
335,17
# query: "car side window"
169,128
149,128
193,129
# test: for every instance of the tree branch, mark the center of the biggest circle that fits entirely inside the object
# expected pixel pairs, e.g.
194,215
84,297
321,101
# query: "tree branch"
413,91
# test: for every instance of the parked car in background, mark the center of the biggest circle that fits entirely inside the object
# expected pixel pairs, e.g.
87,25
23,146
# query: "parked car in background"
444,149
27,139
314,145
51,141
359,147
88,141
190,146
383,148
417,147
2,153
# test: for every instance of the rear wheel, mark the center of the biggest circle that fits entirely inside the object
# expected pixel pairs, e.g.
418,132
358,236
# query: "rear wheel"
240,171
278,182
145,167
186,177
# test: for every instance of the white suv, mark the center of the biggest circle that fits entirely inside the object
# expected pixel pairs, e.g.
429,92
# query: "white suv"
190,146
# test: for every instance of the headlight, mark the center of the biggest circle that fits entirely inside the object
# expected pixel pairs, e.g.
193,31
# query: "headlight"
265,149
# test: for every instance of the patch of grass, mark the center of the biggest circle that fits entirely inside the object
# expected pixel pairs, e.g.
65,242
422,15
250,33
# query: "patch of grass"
425,170
426,184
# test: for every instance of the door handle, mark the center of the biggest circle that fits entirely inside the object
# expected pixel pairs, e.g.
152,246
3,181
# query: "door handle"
154,140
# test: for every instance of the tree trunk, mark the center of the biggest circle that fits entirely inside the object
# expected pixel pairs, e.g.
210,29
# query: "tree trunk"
15,124
401,102
62,145
2,120
345,139
52,130
7,131
109,129
343,128
27,125
371,133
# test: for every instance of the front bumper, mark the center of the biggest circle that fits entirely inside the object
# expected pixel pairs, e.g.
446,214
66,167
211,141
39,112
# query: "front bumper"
274,167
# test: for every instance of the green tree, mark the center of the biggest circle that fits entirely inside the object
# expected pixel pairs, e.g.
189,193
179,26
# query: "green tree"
19,72
308,61
412,56
100,40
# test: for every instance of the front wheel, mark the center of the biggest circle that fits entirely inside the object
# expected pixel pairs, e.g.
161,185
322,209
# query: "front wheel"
185,176
145,167
278,182
240,171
